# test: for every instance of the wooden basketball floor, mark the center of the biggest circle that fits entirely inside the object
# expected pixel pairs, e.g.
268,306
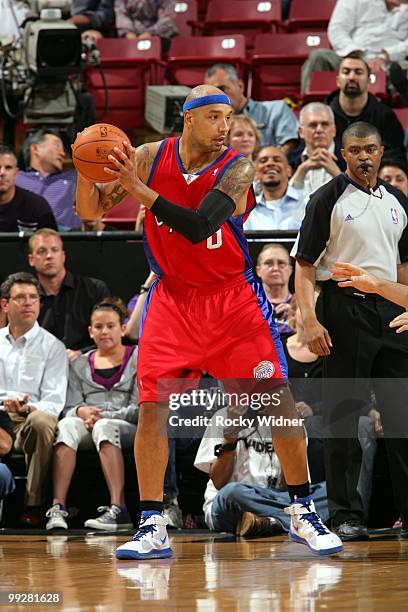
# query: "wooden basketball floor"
209,573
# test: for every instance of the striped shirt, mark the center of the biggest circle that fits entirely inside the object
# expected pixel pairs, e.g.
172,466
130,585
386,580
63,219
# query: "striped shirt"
59,191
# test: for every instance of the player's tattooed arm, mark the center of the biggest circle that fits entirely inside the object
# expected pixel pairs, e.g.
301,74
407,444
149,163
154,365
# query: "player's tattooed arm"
236,181
112,194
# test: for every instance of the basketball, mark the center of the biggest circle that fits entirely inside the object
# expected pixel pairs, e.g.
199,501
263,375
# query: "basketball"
92,147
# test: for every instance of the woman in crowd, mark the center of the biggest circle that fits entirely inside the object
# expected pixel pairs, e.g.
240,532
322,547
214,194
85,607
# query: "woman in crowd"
101,411
244,136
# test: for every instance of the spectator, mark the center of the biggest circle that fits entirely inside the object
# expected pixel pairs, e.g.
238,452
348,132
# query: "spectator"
93,17
274,269
138,20
101,411
67,299
395,173
354,103
278,205
246,493
276,122
44,152
33,375
7,437
20,210
376,28
244,136
318,159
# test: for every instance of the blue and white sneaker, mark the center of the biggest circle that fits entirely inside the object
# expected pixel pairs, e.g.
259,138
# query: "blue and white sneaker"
306,527
149,542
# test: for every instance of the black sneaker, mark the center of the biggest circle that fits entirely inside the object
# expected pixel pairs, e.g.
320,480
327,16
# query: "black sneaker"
351,530
404,530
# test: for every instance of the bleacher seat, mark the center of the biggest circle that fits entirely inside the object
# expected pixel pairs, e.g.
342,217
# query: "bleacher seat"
310,16
323,83
123,216
277,62
402,114
249,17
190,56
186,16
129,66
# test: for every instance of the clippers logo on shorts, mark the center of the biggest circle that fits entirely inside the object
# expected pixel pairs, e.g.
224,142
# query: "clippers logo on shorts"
394,215
264,369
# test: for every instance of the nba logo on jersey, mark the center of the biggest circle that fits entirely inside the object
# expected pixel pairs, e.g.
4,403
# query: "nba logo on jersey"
264,369
190,178
394,215
214,172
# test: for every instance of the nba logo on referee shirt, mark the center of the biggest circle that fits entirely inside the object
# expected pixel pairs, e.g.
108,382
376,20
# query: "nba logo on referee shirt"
264,369
394,215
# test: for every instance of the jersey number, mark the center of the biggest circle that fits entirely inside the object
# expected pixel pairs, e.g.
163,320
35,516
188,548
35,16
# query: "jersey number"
215,241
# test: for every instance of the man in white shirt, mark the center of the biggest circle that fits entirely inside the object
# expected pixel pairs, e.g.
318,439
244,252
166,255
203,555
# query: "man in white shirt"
33,384
245,493
279,205
318,161
378,28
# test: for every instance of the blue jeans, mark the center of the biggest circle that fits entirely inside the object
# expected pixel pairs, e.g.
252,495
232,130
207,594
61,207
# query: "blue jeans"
235,498
7,485
180,445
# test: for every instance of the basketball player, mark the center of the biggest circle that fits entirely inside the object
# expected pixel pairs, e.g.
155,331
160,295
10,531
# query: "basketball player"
207,311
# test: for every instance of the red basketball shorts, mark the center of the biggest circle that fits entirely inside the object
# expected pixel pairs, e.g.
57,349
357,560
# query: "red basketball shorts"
227,331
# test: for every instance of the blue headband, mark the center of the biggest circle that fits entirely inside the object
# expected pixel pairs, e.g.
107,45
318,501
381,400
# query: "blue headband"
204,100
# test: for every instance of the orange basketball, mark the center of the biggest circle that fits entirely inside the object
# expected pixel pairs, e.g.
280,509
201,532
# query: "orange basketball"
91,149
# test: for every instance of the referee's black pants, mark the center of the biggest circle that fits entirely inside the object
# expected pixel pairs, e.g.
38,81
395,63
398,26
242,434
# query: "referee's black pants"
368,353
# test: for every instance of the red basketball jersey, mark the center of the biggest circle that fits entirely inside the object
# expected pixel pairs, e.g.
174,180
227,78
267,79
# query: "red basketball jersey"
222,257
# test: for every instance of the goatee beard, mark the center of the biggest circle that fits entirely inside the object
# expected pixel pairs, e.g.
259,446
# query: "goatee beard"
352,93
272,184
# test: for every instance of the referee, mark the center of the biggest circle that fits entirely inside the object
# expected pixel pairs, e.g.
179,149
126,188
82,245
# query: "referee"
362,220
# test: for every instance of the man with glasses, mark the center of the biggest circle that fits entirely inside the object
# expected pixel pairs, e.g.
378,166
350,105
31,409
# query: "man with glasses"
278,204
318,159
33,384
361,220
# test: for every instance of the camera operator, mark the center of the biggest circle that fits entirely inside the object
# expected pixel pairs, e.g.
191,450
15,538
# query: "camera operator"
94,18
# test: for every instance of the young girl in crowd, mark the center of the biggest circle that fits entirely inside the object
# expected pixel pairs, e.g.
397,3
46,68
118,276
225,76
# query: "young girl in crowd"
101,411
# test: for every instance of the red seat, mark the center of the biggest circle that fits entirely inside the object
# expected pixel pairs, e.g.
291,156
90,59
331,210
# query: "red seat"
190,56
277,62
129,66
323,83
313,15
249,17
402,114
186,15
123,216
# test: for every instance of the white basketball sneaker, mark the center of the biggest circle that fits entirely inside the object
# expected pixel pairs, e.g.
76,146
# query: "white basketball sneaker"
306,527
149,542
